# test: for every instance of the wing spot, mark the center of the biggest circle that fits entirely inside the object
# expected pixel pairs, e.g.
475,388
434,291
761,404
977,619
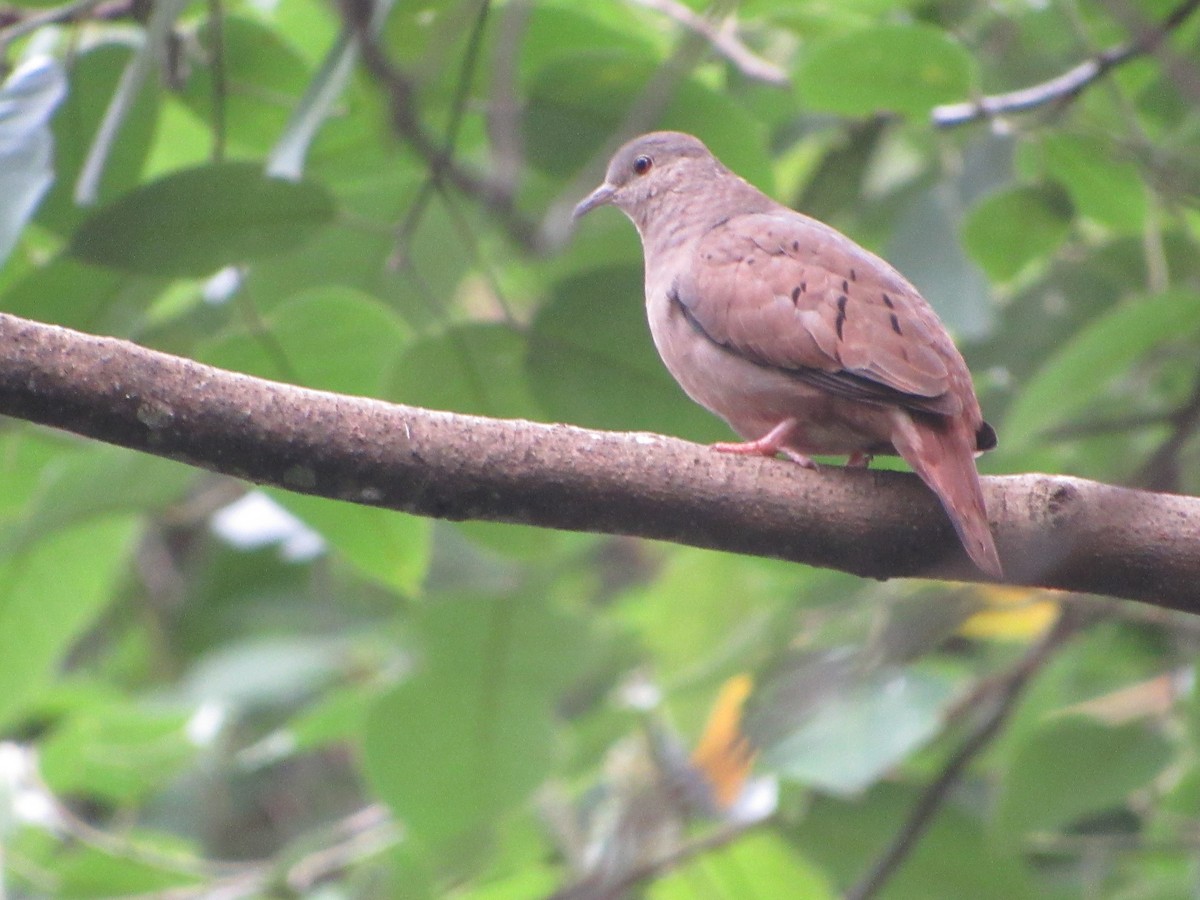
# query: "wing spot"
887,301
796,292
896,324
853,275
845,286
841,316
795,246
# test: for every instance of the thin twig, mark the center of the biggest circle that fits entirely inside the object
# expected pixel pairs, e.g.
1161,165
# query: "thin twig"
467,234
139,68
592,889
1005,694
360,835
433,183
1069,84
1186,841
77,829
722,37
1161,470
504,103
28,24
1082,428
401,93
1180,68
220,86
458,107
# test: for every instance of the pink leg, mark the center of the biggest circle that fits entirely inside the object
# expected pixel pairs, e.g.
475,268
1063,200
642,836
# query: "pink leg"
859,461
770,444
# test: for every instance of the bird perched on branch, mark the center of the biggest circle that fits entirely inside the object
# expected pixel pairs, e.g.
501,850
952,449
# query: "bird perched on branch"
804,342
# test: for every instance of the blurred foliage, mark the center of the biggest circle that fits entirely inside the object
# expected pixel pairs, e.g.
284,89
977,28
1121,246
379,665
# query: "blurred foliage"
219,692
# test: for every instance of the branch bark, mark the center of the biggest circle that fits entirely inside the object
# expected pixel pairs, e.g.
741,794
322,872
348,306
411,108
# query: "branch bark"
1052,531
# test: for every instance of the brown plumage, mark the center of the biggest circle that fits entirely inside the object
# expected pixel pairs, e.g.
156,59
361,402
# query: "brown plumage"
804,342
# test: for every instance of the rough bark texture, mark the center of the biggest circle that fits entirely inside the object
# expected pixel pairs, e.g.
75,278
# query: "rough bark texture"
1052,531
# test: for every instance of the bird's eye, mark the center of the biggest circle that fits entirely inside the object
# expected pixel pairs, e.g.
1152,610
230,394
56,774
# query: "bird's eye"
642,165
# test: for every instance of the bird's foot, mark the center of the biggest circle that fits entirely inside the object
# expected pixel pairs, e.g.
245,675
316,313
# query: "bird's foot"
770,444
801,460
859,461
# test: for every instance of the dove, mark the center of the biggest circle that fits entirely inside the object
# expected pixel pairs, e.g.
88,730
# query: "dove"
802,341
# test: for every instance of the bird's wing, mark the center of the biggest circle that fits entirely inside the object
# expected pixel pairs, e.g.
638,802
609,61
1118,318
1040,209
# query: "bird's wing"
786,291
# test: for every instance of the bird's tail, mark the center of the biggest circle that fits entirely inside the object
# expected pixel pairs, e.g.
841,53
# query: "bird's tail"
942,453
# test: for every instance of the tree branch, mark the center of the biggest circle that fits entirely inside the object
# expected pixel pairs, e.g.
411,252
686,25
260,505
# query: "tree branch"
722,37
18,23
1067,85
1006,693
1161,471
1052,531
401,93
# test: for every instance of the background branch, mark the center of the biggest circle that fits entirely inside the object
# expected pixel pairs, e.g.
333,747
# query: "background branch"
1161,472
1067,85
722,37
1052,531
1000,699
494,196
19,23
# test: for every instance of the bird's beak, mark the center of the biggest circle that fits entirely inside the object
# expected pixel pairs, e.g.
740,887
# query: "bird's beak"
598,197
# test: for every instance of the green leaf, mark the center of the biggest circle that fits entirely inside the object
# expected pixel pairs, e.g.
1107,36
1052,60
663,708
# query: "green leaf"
900,68
149,54
191,223
99,480
539,880
332,338
28,99
145,862
592,361
685,617
577,102
849,741
1074,766
954,858
66,292
339,716
94,77
270,670
556,29
1108,190
1008,230
474,368
761,865
1086,366
924,245
390,547
263,75
49,594
27,456
471,734
116,752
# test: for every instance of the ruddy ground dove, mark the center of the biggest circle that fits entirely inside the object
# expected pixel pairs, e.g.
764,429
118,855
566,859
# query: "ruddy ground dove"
804,342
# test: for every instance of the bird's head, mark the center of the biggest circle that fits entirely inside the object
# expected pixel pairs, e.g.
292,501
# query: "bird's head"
649,167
